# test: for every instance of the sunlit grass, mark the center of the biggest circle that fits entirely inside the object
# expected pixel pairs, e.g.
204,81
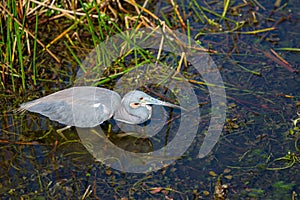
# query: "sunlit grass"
22,46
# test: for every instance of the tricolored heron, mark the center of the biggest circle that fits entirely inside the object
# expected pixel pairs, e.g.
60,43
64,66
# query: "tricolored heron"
88,106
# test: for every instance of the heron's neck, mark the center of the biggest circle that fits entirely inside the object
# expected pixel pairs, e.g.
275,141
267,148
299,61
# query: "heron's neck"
136,116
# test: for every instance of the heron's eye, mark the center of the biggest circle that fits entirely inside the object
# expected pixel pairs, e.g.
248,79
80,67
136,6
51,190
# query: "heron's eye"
141,98
134,105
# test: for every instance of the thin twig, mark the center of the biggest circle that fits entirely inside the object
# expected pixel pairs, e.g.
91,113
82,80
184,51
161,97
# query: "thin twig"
63,10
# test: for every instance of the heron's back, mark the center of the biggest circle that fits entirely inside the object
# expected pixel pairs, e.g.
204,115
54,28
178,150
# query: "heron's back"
84,106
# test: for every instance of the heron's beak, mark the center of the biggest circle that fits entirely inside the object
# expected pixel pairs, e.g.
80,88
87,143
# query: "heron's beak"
153,101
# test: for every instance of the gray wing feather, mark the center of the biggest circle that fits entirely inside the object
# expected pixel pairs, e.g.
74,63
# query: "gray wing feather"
77,106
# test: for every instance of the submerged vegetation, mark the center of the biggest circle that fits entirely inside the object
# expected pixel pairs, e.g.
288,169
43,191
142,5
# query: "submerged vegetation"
255,44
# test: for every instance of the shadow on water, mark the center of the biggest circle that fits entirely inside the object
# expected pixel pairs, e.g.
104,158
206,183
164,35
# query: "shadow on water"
257,154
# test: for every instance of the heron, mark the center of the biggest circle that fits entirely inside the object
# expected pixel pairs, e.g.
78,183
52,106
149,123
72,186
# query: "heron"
88,106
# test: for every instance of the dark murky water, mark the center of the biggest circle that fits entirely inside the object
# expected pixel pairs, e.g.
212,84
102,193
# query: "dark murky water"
262,96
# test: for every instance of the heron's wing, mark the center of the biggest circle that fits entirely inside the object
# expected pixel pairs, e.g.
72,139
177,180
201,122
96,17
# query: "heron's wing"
78,106
71,114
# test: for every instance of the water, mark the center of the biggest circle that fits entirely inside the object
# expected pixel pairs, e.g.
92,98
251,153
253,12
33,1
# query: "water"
262,97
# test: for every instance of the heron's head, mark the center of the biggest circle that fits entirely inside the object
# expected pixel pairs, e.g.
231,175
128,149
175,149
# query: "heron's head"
137,99
136,107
